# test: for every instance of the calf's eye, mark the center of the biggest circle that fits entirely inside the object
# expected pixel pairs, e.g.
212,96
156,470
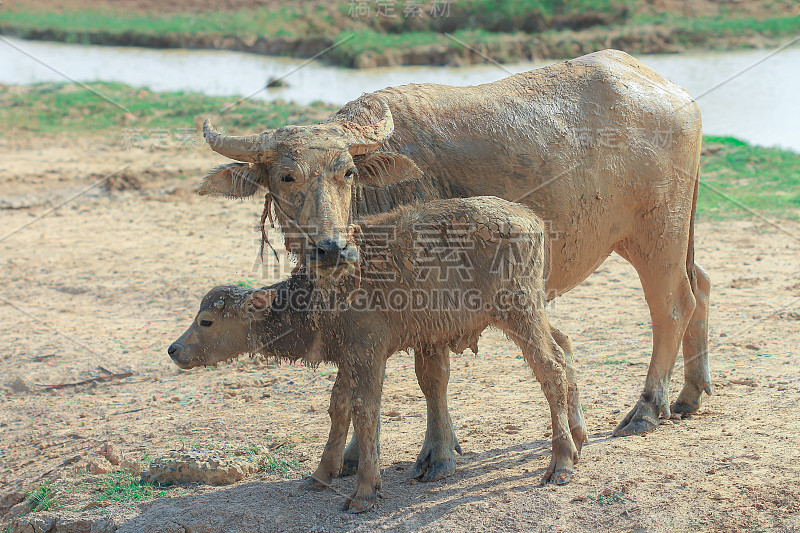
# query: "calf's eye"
350,173
206,323
287,178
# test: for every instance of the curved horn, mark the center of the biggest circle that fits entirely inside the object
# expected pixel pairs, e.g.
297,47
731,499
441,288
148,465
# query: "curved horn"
369,138
249,149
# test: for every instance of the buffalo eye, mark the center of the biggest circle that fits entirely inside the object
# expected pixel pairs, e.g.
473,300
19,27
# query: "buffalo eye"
206,323
350,174
287,178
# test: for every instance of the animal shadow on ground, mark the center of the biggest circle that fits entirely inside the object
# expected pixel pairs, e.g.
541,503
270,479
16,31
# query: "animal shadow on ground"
264,506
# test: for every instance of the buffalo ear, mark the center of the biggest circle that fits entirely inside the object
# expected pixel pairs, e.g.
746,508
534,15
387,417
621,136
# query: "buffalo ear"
234,180
380,169
259,300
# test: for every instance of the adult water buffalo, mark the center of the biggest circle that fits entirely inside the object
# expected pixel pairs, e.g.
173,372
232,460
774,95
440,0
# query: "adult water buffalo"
602,147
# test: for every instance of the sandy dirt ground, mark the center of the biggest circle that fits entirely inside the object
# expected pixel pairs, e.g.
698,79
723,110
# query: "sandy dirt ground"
95,281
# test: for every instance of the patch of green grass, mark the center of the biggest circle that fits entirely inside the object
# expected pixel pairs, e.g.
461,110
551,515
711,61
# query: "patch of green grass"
41,498
246,283
375,46
611,498
279,21
151,120
613,362
723,26
122,487
145,459
282,467
737,178
330,19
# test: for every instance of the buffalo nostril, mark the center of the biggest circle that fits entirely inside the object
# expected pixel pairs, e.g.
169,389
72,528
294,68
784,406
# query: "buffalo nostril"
172,350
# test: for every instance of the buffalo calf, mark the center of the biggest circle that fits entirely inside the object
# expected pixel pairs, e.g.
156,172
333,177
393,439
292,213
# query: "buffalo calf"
434,274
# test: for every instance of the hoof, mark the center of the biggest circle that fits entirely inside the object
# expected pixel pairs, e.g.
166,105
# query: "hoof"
557,478
683,409
560,469
359,505
642,418
313,484
349,468
424,470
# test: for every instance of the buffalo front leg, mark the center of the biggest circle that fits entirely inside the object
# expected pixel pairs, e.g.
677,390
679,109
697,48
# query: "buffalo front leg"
697,378
367,380
331,462
438,456
672,303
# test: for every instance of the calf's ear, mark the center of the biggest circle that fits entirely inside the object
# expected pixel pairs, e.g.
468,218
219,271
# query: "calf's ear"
234,180
260,300
380,169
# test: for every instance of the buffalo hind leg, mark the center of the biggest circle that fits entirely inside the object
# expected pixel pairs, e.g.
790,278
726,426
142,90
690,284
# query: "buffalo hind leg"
697,378
438,456
672,303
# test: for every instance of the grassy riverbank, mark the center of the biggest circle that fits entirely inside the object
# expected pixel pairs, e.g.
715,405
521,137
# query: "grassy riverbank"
111,109
505,30
766,180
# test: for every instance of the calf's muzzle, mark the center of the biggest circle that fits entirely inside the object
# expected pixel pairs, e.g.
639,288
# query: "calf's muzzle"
330,252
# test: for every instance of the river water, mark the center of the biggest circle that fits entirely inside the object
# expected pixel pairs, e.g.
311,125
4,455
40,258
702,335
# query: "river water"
761,105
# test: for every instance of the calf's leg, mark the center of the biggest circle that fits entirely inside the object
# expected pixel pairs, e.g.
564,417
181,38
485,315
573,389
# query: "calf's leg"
437,459
547,360
438,456
350,460
367,384
331,462
577,424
